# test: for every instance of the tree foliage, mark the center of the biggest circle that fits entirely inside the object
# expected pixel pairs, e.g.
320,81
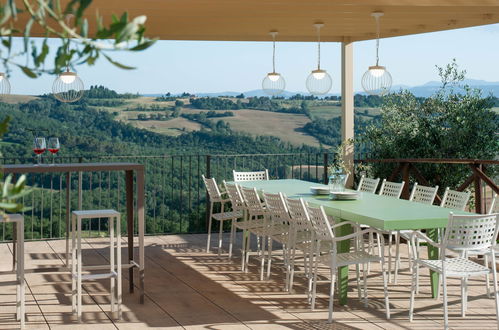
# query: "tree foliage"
449,124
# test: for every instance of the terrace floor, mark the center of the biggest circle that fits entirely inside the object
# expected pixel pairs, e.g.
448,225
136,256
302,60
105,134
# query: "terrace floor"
187,288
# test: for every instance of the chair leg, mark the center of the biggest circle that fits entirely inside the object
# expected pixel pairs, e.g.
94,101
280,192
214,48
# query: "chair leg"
269,256
331,295
220,233
209,229
78,272
357,273
243,249
314,282
389,257
231,240
397,257
444,288
487,277
371,250
112,264
496,293
413,291
464,296
292,268
364,275
247,252
73,263
260,242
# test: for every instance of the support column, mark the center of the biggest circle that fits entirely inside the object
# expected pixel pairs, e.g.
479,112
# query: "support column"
347,109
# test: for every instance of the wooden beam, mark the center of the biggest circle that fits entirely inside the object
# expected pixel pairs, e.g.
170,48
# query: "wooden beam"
478,171
347,108
466,183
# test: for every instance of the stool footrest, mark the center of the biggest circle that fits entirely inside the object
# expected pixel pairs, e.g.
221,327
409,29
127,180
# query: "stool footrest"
100,276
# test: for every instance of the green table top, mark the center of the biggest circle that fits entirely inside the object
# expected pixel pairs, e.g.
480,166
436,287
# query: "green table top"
381,212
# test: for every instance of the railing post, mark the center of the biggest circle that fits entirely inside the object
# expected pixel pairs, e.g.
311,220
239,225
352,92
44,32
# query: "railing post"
478,192
326,164
208,176
405,178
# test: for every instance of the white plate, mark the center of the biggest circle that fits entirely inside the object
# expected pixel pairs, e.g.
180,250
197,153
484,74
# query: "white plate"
345,195
319,190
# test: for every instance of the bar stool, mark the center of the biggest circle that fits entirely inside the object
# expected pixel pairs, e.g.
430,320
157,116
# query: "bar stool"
18,221
114,267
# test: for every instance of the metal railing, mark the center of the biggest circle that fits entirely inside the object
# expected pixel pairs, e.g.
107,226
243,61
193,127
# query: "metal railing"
175,194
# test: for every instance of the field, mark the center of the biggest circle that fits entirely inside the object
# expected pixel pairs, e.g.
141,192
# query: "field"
328,112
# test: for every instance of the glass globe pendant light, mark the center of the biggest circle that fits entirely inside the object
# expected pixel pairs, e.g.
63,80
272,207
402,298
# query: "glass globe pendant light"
319,82
4,84
68,87
273,83
377,80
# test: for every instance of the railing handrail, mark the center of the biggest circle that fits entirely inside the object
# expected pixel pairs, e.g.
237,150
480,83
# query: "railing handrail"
431,160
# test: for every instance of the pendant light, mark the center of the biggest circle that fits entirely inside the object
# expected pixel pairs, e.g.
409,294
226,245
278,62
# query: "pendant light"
4,84
319,82
273,83
377,80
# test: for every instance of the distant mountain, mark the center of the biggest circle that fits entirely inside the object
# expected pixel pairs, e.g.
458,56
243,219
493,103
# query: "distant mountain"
425,90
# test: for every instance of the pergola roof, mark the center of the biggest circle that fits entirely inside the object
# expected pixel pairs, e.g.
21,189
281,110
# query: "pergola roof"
251,20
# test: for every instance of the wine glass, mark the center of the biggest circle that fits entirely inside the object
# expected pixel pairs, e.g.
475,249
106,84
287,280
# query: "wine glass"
39,147
53,146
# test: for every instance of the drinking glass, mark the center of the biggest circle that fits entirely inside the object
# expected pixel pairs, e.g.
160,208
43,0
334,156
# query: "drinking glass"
53,146
39,147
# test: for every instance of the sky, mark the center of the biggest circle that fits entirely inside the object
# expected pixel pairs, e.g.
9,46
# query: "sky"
206,66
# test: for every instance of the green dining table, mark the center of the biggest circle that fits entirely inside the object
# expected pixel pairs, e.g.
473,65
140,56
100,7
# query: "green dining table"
381,212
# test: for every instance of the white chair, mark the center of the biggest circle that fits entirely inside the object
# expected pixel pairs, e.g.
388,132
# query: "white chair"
463,233
250,176
493,208
300,238
277,229
323,232
368,185
419,194
216,197
456,200
18,221
255,223
114,266
394,190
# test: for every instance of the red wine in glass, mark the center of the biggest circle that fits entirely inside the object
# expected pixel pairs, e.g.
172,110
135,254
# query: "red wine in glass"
53,146
39,147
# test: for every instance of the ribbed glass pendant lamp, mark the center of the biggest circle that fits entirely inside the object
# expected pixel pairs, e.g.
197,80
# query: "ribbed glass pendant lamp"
273,83
68,87
377,80
4,84
319,82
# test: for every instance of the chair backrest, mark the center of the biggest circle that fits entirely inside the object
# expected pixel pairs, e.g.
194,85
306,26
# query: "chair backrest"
320,224
368,185
236,199
391,189
470,232
252,200
250,176
455,199
212,189
276,208
493,208
423,194
298,214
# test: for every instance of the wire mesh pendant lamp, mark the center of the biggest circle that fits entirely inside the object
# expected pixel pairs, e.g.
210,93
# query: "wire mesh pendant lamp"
273,83
4,84
319,82
68,87
377,80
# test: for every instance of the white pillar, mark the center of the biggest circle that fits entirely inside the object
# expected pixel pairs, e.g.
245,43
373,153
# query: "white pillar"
347,109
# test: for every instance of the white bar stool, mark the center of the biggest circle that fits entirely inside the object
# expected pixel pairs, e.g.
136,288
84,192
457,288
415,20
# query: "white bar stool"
18,221
114,266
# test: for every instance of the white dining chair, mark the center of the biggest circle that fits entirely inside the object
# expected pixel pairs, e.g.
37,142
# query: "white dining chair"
454,199
494,205
367,184
463,233
216,197
254,223
250,176
324,232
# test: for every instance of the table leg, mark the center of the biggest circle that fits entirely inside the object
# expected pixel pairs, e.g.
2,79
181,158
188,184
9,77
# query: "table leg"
433,255
140,213
68,214
343,247
130,224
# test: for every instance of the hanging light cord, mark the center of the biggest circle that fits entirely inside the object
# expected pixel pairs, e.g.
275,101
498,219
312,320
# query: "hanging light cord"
318,47
273,53
377,39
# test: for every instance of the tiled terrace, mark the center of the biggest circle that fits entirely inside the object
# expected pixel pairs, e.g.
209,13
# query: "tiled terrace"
187,288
